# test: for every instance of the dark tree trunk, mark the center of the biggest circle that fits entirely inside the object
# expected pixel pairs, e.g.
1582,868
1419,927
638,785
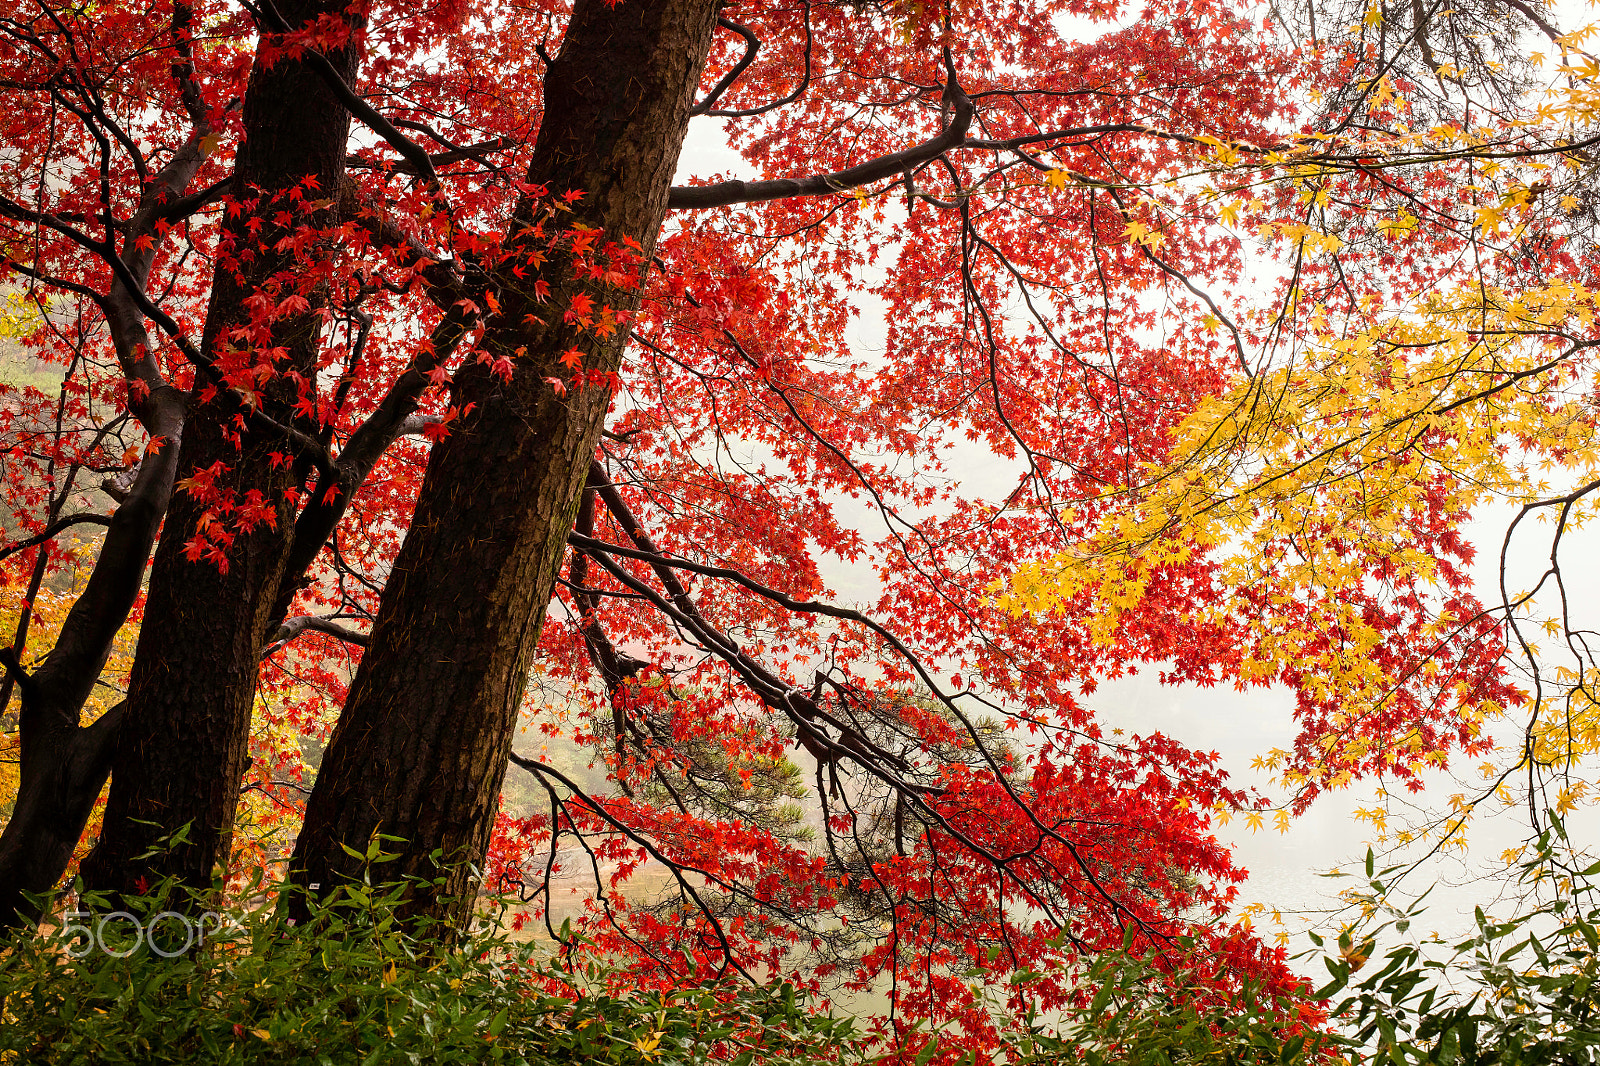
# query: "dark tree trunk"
64,763
183,747
420,750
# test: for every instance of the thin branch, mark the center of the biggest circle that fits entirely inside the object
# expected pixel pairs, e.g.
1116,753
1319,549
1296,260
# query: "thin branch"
726,193
462,153
752,45
677,868
799,90
54,529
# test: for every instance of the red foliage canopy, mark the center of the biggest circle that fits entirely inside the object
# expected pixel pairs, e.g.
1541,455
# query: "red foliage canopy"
975,174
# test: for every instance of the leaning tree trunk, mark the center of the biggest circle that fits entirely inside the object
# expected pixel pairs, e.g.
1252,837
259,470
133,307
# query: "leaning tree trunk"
184,742
64,763
419,753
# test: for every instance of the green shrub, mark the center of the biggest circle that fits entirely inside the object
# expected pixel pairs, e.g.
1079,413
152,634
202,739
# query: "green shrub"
1143,1013
351,987
1519,992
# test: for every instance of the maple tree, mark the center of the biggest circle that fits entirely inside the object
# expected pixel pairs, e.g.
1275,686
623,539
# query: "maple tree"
390,319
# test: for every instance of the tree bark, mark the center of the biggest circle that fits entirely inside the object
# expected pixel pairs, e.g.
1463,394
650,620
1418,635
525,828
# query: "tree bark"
64,764
419,753
184,742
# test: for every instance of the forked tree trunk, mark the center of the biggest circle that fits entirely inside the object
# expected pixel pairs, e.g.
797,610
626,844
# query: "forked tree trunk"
420,751
64,764
184,741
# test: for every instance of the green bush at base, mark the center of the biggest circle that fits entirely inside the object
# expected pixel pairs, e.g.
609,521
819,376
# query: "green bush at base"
351,988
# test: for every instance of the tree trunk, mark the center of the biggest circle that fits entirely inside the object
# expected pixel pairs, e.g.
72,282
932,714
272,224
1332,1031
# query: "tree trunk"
64,764
184,742
420,751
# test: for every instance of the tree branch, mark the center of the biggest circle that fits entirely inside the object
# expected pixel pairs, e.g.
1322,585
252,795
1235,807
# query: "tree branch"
799,90
752,45
725,193
395,417
53,529
299,624
459,154
443,283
